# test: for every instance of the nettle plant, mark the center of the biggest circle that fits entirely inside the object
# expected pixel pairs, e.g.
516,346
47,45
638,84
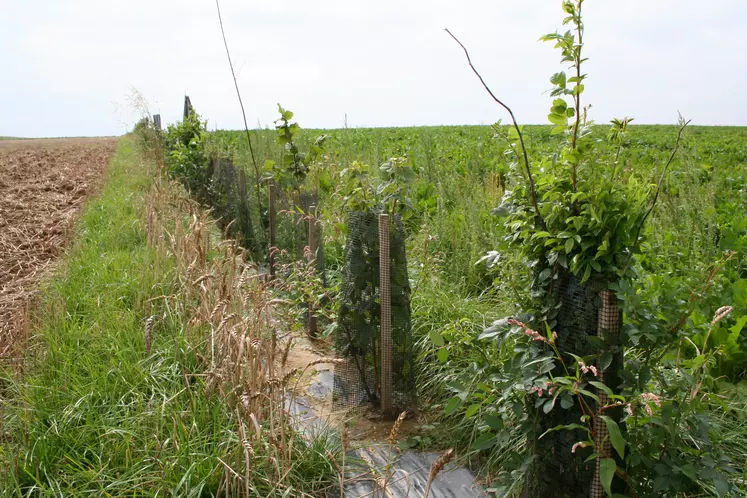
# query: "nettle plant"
580,213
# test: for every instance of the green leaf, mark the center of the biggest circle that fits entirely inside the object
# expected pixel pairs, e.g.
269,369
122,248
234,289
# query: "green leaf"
484,441
689,470
544,274
721,485
558,79
494,422
472,410
616,438
601,387
589,394
443,355
605,360
698,361
557,130
607,469
587,274
559,104
569,245
569,427
557,119
457,386
661,483
453,404
436,338
548,405
737,328
596,341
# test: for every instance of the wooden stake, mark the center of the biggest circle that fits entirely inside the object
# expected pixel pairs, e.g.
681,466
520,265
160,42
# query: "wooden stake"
609,324
312,258
187,106
271,209
386,315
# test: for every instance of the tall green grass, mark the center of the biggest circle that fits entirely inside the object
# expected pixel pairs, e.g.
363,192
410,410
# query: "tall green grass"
96,414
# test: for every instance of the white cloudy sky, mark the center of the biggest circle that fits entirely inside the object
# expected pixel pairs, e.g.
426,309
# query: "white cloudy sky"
68,65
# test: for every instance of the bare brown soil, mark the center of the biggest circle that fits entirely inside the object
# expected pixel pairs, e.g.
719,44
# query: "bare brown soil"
43,184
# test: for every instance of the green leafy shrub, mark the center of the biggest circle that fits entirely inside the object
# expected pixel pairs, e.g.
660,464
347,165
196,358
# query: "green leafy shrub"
186,158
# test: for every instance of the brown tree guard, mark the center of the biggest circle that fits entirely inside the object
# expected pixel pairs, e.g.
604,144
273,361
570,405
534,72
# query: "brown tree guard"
312,258
297,233
386,315
271,215
610,319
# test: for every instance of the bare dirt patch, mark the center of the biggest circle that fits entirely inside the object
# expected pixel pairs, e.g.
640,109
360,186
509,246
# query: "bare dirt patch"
43,184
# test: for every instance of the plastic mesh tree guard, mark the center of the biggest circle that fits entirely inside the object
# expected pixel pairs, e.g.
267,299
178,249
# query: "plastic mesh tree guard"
232,205
358,333
584,310
291,230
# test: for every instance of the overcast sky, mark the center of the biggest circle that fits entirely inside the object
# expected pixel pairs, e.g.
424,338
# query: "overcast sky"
68,65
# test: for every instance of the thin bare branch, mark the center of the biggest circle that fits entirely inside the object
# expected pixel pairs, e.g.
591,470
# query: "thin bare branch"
243,114
661,178
532,191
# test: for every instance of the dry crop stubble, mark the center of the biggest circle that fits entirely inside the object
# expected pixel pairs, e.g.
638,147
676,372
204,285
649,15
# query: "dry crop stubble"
43,185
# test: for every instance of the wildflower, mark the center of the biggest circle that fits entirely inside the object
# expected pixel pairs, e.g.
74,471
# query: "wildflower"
586,369
629,409
651,397
536,336
721,313
580,444
537,390
551,391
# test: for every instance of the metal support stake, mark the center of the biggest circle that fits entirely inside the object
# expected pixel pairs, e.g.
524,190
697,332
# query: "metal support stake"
386,315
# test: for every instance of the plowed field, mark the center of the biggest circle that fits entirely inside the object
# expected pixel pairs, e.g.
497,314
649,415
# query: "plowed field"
43,184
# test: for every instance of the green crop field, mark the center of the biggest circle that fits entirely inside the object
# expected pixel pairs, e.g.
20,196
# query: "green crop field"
461,171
